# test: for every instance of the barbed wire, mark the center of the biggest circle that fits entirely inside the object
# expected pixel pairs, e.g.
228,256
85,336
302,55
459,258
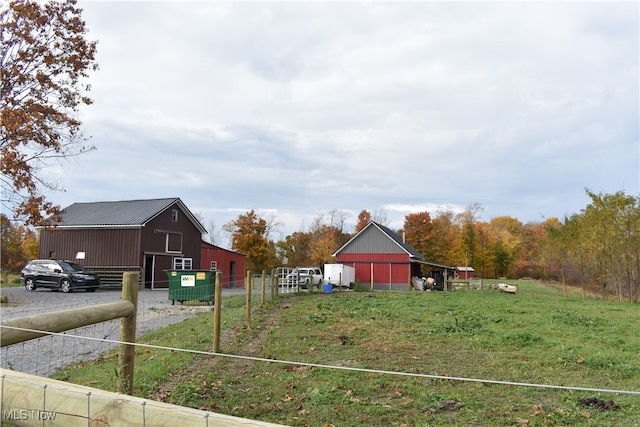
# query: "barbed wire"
337,367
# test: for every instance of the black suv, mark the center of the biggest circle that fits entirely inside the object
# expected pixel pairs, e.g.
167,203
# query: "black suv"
64,276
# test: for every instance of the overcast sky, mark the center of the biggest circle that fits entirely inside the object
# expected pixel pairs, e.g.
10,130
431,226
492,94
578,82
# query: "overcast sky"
300,108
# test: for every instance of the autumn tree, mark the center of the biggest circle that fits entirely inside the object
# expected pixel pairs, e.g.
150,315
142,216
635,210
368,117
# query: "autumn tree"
614,223
249,236
418,232
44,59
364,218
506,233
323,244
295,249
443,247
467,221
529,264
19,245
326,238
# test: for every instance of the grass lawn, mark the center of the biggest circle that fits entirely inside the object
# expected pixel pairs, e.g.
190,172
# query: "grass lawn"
536,336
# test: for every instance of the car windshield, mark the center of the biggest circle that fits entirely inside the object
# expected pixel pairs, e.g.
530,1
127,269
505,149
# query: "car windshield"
71,266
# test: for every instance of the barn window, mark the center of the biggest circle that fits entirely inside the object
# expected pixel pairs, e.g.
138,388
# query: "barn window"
182,263
214,265
174,215
173,242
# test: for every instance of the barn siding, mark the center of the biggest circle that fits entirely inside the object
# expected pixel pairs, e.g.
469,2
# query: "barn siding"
154,242
154,235
390,271
232,276
102,247
372,241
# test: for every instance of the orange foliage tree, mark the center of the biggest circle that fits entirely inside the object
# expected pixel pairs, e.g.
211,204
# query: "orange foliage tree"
364,218
249,236
19,245
418,232
44,58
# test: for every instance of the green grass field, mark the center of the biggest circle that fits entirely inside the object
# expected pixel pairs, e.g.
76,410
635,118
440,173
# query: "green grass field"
536,336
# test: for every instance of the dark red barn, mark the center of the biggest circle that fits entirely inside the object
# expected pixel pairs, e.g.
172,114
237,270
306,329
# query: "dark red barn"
232,264
149,236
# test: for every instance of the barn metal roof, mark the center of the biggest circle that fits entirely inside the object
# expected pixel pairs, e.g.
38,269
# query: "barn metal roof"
125,213
391,235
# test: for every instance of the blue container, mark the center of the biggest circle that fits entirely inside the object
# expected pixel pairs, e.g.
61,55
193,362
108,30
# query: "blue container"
327,288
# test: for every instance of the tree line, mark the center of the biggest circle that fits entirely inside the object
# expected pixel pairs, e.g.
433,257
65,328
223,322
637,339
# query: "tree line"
597,249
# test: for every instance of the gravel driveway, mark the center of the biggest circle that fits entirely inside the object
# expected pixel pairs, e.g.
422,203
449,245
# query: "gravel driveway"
44,355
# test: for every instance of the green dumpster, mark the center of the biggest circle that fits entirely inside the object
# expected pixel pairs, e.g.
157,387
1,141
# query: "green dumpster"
191,285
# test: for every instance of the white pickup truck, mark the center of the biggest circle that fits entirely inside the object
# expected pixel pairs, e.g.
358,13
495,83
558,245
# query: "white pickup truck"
304,275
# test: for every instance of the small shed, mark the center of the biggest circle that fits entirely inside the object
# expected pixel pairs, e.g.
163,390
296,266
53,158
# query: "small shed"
380,257
441,273
465,273
232,264
149,236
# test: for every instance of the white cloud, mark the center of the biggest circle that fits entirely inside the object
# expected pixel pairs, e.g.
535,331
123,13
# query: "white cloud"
306,107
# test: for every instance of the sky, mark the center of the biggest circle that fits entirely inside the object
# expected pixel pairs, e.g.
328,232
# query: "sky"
297,109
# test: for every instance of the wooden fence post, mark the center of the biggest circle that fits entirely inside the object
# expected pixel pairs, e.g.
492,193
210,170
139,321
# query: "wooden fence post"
217,306
128,334
263,290
274,284
249,288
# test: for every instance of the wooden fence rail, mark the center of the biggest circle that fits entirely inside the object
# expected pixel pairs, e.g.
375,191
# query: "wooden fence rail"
29,400
65,320
61,321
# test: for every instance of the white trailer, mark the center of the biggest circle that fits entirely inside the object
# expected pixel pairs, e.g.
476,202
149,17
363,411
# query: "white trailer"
340,275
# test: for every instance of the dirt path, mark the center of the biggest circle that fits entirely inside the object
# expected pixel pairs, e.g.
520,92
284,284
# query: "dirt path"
238,340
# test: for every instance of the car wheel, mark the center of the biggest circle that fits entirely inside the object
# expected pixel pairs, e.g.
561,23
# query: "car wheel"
30,284
65,286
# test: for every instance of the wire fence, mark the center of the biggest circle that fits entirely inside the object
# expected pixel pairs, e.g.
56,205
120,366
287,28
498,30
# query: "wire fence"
31,400
44,356
154,310
365,370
